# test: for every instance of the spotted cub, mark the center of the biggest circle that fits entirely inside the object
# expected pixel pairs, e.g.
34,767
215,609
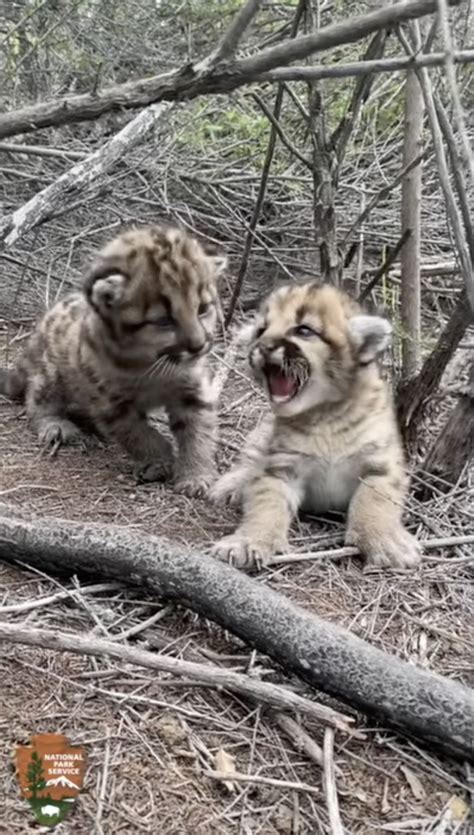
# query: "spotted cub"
332,442
133,340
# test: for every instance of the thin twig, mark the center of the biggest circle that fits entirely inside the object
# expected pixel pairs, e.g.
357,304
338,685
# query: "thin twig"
329,785
387,263
103,782
281,133
467,154
438,145
350,551
457,172
39,603
133,631
356,68
266,781
362,87
382,194
232,37
300,739
263,184
271,694
38,150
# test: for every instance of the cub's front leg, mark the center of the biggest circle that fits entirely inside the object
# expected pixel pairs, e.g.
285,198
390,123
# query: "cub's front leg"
229,489
193,421
270,503
151,452
374,523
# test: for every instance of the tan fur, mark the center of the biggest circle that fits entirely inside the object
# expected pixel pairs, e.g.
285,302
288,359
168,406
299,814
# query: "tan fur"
334,445
134,340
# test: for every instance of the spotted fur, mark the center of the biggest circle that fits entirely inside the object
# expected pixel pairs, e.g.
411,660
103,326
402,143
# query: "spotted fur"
134,340
331,443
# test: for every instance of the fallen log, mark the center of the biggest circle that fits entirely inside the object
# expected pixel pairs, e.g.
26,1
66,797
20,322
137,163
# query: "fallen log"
328,657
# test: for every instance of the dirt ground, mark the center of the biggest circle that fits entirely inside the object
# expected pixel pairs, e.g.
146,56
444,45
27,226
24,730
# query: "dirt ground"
151,740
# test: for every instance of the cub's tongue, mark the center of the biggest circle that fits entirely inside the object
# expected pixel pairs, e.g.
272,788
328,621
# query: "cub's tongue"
281,387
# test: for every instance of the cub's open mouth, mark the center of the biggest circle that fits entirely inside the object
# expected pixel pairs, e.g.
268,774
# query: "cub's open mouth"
282,386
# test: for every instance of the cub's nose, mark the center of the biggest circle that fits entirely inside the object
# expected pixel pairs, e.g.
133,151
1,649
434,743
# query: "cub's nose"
272,349
195,344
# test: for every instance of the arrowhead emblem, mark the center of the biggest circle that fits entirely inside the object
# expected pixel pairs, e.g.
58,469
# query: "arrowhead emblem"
50,772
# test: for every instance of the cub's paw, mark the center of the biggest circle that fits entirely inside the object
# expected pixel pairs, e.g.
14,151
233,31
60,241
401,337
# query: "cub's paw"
156,471
197,487
241,552
55,432
227,490
394,548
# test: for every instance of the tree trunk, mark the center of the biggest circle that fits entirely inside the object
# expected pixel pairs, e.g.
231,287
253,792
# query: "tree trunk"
413,395
327,656
411,216
453,449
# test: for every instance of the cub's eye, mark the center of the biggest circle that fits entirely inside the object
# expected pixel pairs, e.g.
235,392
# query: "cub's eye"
304,331
203,308
131,327
163,322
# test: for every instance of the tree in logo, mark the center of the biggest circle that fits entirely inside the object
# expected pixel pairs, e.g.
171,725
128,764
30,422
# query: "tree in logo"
35,775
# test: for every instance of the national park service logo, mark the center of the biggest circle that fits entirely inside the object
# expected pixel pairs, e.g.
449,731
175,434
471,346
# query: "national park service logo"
50,772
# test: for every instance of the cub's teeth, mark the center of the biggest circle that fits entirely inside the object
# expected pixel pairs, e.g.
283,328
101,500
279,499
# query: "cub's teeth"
279,398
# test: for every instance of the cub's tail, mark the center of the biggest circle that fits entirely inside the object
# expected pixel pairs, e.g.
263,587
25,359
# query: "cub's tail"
13,382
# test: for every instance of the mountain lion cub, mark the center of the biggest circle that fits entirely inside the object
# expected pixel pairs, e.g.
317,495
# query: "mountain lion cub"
135,339
332,442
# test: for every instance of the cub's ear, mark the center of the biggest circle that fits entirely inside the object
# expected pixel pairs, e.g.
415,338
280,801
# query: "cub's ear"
370,336
219,264
105,293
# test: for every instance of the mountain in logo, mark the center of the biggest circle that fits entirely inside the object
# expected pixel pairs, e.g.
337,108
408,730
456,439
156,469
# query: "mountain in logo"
62,781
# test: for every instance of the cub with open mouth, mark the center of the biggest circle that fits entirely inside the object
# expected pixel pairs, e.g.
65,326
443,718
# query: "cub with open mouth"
331,442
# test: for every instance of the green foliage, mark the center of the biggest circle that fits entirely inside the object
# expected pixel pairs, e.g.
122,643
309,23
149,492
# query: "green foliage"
245,130
35,775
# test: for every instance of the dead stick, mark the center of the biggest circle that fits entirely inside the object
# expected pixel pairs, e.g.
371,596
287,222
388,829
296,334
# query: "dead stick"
351,551
266,781
329,784
271,694
328,657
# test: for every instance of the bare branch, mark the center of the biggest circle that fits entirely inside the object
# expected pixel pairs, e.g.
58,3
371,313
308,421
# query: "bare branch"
412,396
362,87
457,172
350,551
363,67
467,154
79,177
300,739
410,291
329,784
190,80
232,37
336,34
382,194
263,180
271,694
438,145
40,151
281,133
385,266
